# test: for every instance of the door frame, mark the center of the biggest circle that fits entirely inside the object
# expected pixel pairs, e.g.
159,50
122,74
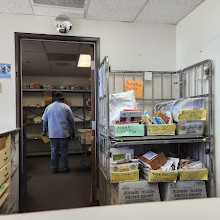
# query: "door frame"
22,155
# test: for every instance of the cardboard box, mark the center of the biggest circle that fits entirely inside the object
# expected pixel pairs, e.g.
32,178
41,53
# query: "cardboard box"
134,192
154,130
85,136
124,167
4,197
5,173
162,116
48,98
192,115
128,176
123,153
183,190
4,142
5,156
156,176
186,175
155,160
128,130
190,128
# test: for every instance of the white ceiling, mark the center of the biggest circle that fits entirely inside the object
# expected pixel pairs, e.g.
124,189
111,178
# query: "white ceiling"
46,58
141,11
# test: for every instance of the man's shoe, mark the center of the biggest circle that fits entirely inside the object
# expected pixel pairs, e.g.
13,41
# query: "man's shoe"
66,170
54,170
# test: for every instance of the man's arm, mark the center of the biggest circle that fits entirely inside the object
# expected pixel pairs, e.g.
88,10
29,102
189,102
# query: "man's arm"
45,119
44,128
72,125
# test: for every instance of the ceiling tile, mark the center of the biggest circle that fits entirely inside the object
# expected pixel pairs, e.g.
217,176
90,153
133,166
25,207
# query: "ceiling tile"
55,11
114,10
61,47
16,6
32,46
167,11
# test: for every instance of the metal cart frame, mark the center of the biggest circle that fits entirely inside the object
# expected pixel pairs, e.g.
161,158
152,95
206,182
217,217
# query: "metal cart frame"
193,81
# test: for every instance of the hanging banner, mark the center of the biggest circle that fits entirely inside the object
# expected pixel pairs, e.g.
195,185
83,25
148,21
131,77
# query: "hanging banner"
136,86
5,70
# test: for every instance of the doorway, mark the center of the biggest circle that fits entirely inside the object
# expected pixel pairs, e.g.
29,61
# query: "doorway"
45,64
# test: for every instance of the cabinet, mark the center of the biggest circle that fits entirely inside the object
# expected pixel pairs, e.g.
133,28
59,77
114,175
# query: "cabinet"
9,171
158,87
33,108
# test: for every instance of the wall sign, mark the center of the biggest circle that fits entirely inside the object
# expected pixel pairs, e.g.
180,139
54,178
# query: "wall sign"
136,86
5,70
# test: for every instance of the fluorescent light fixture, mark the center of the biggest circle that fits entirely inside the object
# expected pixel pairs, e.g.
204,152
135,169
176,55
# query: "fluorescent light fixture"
84,60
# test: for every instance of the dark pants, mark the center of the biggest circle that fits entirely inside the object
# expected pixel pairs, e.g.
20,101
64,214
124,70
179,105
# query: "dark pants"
59,144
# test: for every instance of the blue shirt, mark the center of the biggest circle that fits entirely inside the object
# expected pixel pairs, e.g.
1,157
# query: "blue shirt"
58,116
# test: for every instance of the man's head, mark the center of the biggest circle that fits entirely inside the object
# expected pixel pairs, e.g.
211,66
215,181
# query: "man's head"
58,96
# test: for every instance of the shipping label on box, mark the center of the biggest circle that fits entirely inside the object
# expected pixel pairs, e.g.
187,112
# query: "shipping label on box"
134,192
128,176
156,176
186,175
183,190
192,115
161,129
129,130
118,154
190,128
124,167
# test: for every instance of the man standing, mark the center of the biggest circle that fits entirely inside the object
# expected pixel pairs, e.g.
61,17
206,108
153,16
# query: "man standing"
59,117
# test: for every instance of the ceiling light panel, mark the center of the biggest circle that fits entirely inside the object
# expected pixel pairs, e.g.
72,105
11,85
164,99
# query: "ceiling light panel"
114,10
167,11
64,3
16,6
55,11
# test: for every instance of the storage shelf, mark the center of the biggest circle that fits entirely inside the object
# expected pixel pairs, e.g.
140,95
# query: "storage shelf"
56,90
38,106
121,141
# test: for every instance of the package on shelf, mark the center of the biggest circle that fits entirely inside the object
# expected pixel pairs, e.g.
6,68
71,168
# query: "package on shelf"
85,136
192,170
120,101
176,106
29,119
192,115
120,154
127,176
75,87
48,98
123,167
153,160
5,173
160,129
48,86
131,113
134,192
35,86
190,127
156,176
183,190
164,117
128,130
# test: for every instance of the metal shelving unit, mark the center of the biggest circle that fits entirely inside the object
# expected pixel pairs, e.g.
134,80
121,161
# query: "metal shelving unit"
193,81
37,111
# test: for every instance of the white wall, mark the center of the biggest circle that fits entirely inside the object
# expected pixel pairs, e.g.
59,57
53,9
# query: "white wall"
198,38
129,47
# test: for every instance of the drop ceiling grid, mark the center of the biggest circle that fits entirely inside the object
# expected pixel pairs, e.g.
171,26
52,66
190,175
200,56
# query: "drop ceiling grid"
55,11
167,11
114,10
